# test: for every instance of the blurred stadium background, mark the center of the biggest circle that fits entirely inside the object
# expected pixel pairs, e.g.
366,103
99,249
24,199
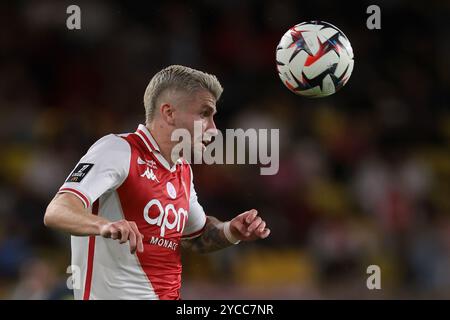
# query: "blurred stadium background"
364,175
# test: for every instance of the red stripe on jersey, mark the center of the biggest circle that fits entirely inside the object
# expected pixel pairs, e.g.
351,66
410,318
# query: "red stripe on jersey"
161,259
90,262
78,193
188,178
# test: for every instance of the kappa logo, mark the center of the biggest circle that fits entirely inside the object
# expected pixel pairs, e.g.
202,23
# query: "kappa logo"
150,175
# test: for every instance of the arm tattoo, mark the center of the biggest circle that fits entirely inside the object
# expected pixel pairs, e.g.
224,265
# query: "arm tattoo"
212,238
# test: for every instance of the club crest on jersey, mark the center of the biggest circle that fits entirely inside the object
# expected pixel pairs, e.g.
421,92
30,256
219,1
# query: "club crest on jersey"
80,172
171,190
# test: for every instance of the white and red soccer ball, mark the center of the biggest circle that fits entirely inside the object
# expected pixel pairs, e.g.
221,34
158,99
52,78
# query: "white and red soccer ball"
314,59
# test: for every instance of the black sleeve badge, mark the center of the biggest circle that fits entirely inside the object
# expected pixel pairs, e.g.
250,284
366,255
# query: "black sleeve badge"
80,172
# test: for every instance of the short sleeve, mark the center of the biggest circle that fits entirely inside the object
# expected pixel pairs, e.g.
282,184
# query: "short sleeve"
104,167
197,218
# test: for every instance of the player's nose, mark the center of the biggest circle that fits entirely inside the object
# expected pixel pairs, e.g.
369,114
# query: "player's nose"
211,128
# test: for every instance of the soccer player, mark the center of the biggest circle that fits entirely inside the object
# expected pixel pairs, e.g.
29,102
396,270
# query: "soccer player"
130,206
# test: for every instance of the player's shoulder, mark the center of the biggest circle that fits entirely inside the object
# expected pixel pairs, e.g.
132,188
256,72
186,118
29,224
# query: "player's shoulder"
110,151
111,143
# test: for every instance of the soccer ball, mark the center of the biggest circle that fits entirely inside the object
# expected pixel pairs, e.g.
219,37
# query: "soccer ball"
314,59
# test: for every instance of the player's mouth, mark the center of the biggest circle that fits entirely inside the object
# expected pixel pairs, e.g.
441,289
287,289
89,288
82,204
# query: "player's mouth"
206,141
207,138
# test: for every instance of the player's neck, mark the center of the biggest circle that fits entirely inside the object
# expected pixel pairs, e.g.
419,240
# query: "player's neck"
163,140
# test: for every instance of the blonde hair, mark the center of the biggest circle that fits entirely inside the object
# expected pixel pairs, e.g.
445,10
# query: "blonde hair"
180,78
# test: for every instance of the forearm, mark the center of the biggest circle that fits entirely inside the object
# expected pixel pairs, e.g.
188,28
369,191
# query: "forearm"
65,214
212,239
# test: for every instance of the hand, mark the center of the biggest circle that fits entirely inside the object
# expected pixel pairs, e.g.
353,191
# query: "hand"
249,226
124,231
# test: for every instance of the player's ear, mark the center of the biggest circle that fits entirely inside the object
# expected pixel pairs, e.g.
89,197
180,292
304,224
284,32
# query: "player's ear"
168,113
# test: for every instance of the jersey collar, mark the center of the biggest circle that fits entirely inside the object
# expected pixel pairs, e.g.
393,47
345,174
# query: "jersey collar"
153,147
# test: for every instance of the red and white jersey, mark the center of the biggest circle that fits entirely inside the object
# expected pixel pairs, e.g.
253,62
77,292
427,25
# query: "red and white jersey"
126,177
